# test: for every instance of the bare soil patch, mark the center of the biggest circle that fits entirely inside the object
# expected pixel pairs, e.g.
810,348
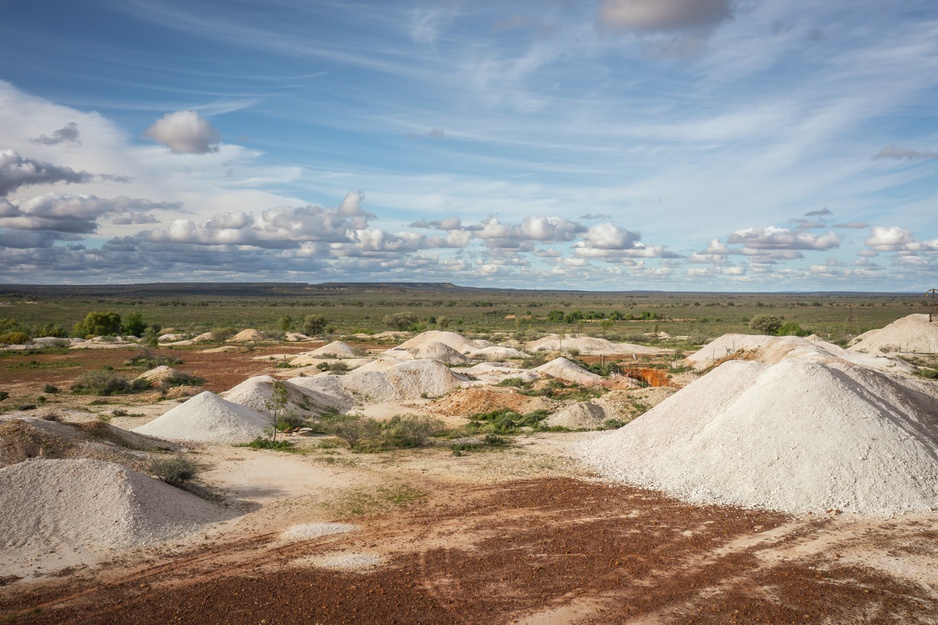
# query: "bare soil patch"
530,551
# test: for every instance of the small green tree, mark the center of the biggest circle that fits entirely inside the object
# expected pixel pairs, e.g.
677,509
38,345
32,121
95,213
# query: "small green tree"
220,335
314,324
99,324
277,405
285,323
791,328
766,324
404,320
353,430
134,324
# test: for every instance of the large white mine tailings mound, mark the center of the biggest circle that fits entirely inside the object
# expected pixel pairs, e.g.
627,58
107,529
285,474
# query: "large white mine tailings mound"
797,436
405,380
774,349
455,340
435,350
913,334
589,346
207,418
85,505
569,371
335,349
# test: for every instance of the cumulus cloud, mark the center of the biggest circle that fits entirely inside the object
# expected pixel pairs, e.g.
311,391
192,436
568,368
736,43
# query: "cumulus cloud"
184,132
531,229
450,223
773,238
611,237
281,227
662,16
896,239
18,171
890,239
613,243
76,214
904,154
67,134
134,218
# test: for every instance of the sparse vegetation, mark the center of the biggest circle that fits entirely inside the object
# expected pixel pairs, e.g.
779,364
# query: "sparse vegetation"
105,382
175,471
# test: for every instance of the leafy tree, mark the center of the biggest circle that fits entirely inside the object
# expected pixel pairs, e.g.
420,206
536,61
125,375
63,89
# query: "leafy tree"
314,324
134,325
791,328
220,335
99,324
401,320
766,324
555,316
285,323
277,405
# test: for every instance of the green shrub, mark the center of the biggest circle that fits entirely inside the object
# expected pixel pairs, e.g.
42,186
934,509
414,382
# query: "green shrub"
401,320
314,324
791,328
99,324
134,325
14,338
106,383
506,421
174,471
353,430
262,442
410,431
4,395
766,324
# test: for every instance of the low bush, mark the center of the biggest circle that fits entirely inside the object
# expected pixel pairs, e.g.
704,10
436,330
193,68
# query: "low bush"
353,430
409,431
14,338
506,421
262,442
174,471
106,383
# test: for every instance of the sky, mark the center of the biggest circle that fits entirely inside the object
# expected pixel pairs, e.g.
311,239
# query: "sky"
675,145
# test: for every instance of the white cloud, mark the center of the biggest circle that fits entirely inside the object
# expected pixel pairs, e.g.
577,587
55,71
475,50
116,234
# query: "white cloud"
73,213
184,132
611,237
773,238
17,171
896,239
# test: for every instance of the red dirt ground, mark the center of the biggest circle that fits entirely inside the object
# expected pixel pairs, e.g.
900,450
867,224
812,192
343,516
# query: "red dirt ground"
500,555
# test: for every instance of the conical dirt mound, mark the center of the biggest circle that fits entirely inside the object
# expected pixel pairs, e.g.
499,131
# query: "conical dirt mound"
797,436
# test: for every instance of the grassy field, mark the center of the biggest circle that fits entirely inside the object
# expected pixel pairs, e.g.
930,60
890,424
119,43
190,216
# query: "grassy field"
353,308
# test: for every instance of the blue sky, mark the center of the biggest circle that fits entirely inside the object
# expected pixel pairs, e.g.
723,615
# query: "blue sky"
756,145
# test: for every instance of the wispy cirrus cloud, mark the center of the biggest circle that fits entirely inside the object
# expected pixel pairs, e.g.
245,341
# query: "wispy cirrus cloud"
904,154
